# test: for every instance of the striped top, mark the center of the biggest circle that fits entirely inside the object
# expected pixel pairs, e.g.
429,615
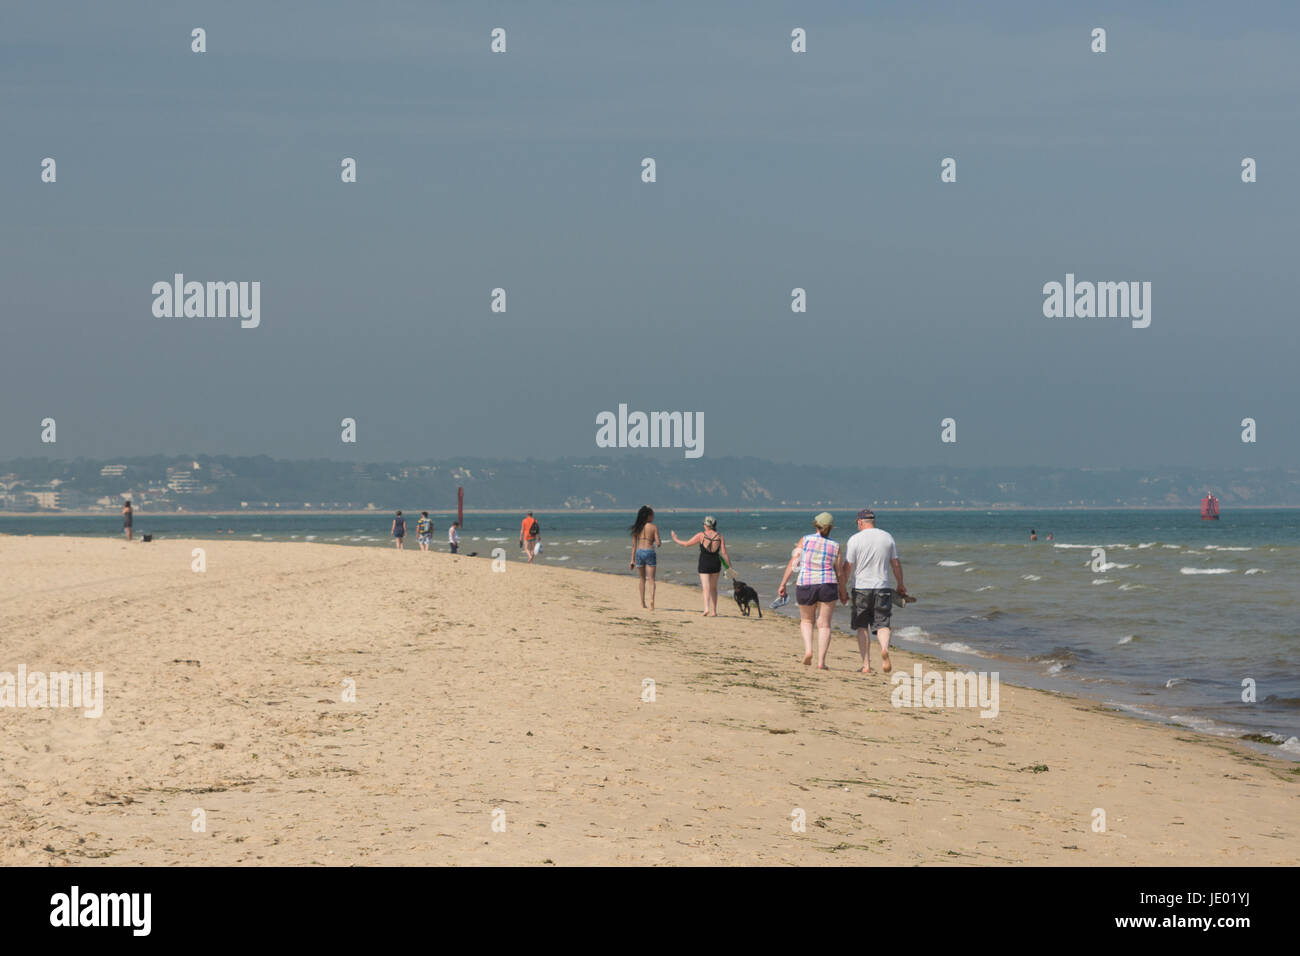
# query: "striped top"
817,560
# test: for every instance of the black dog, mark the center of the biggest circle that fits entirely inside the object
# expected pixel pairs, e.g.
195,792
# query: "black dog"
745,596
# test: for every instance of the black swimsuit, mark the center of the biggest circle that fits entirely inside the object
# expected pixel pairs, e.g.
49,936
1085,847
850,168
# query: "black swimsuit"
710,561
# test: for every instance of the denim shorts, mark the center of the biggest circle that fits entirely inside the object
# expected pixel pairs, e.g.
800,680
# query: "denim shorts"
645,558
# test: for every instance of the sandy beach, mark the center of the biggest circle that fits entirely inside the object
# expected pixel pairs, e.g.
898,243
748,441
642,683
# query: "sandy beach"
479,692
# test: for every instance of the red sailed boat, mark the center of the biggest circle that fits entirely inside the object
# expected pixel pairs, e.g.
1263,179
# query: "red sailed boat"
1209,508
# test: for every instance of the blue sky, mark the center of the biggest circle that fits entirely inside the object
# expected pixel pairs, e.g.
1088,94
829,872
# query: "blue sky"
775,170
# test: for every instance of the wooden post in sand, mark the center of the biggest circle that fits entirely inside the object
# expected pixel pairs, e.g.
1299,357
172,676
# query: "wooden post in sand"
460,506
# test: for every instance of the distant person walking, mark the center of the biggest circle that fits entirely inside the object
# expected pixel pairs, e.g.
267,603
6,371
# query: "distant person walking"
424,531
868,558
820,582
530,536
453,536
713,551
399,530
645,538
127,514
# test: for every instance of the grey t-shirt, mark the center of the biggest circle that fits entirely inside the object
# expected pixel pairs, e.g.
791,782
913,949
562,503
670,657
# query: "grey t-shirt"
870,552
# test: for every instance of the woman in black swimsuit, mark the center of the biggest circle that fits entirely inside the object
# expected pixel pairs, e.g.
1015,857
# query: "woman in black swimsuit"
713,551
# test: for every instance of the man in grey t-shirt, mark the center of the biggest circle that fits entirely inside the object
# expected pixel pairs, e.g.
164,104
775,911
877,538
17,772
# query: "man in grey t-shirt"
868,558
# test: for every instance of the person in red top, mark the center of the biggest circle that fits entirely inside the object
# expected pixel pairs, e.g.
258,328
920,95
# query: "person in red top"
530,535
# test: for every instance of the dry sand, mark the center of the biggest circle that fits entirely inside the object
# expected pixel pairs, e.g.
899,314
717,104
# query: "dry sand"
521,691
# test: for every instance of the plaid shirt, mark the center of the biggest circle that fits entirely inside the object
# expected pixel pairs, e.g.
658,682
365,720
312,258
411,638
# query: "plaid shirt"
817,562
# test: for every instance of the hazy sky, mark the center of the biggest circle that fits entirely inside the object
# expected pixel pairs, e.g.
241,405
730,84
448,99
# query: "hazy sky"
775,170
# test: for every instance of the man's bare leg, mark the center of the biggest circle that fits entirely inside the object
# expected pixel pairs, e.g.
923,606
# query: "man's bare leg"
882,634
864,648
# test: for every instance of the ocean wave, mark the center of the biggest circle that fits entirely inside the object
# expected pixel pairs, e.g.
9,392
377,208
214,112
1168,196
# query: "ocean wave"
1127,639
952,564
1205,725
1132,587
1030,577
586,540
1222,547
1174,682
1292,746
987,587
914,633
1256,571
1148,544
1102,580
956,647
1056,667
1205,570
1175,547
1282,701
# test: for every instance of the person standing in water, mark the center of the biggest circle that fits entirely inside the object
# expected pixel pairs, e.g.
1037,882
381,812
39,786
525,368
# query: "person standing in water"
713,551
453,536
530,536
127,515
820,582
424,531
645,538
399,530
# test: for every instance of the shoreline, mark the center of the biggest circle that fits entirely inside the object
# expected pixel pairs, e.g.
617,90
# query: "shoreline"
811,509
524,691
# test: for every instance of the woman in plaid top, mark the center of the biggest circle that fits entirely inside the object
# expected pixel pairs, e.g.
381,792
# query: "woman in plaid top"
820,584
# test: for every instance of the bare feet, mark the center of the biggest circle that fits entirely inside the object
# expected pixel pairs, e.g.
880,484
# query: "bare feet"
807,659
822,667
886,664
865,670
